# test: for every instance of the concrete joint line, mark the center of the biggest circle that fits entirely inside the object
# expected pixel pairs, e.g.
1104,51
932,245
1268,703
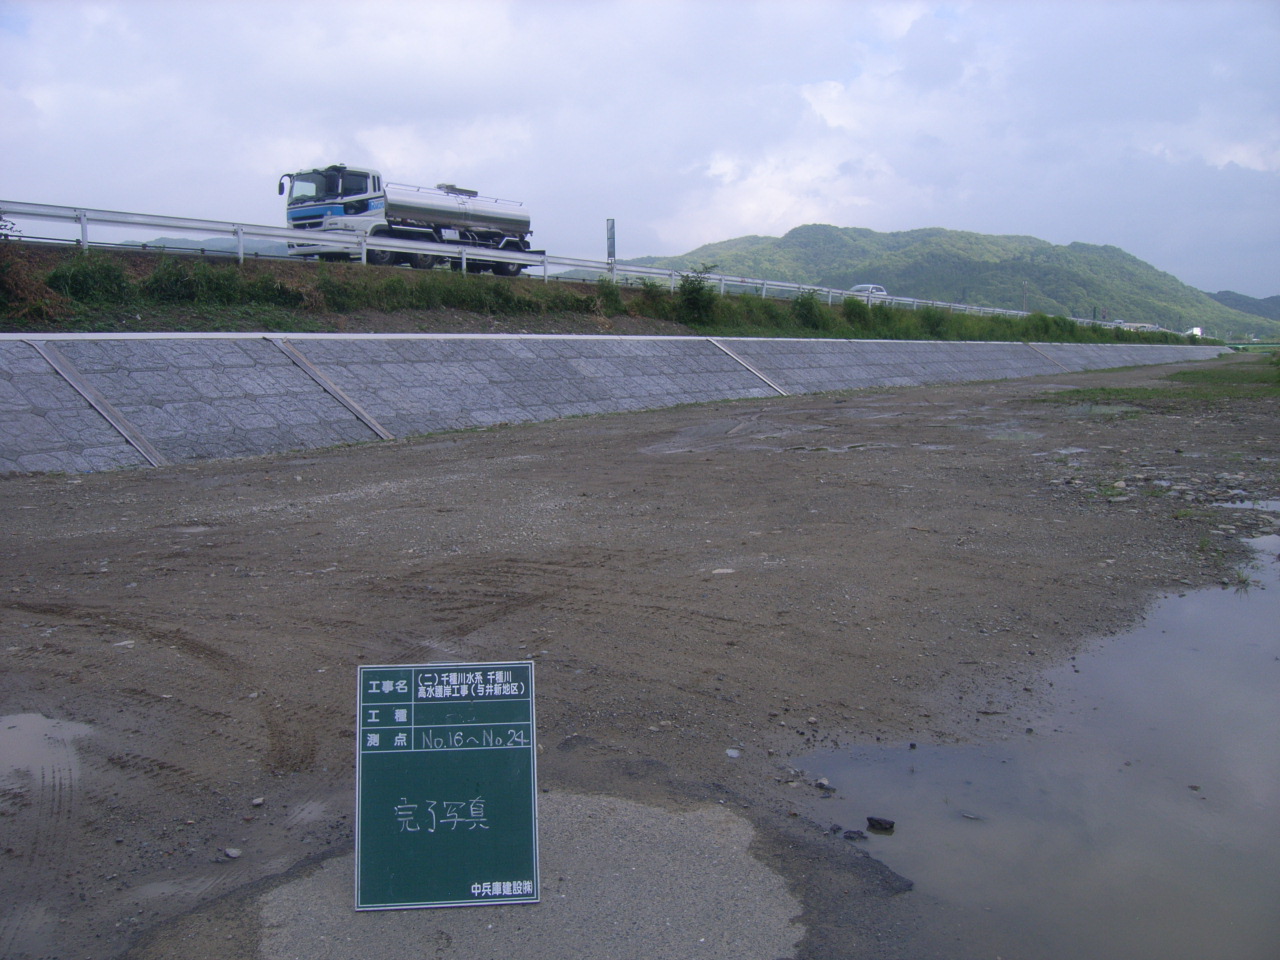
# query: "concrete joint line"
730,353
331,388
1047,357
67,370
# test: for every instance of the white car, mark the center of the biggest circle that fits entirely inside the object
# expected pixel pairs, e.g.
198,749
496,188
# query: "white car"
869,290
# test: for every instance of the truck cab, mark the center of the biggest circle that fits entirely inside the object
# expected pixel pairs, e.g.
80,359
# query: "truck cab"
353,196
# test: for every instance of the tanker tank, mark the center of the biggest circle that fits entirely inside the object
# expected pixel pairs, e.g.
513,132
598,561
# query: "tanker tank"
450,207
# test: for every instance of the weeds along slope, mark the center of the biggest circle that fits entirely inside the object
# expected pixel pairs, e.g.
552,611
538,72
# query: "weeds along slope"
53,288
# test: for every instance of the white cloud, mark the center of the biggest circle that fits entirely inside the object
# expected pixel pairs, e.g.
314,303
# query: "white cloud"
413,151
769,195
686,121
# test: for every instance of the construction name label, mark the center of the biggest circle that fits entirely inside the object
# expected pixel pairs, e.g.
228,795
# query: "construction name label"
446,786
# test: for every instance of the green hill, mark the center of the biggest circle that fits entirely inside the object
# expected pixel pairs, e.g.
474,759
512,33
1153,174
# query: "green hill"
1011,272
1268,307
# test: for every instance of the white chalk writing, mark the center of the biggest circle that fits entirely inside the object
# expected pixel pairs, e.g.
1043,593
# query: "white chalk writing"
430,815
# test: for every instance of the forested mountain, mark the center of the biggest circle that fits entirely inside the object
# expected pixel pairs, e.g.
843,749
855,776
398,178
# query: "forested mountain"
1268,307
1012,272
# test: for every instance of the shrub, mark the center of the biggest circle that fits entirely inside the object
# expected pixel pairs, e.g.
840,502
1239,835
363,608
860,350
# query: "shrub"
652,290
609,297
856,313
809,312
655,300
389,294
187,281
882,321
339,293
558,300
695,297
934,323
23,293
425,294
264,288
753,311
91,279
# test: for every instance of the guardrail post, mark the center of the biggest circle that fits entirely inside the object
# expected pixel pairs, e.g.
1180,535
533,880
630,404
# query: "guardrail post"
83,219
240,244
463,251
545,276
363,246
673,281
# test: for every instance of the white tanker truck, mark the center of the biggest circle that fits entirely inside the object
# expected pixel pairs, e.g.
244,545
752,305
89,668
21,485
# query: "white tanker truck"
344,198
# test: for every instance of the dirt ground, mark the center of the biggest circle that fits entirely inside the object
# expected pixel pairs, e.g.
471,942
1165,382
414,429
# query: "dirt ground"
762,576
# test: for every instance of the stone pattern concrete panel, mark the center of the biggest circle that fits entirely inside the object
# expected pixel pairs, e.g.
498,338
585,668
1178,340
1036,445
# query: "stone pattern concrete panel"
425,384
813,366
196,398
229,396
46,426
1095,356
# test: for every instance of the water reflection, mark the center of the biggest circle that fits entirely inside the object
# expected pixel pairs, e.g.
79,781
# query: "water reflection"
1140,820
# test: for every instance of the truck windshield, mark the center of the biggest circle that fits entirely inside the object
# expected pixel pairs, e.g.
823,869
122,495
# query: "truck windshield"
327,185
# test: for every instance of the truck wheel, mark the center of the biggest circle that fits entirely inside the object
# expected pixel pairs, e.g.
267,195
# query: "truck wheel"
507,269
422,261
379,258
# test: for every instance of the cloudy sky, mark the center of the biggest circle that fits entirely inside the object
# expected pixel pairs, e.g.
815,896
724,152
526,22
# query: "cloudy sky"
1153,126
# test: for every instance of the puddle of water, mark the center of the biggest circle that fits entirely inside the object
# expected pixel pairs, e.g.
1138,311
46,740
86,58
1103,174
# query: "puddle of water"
31,743
1141,819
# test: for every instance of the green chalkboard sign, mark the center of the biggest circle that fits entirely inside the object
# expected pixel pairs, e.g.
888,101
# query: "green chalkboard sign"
446,786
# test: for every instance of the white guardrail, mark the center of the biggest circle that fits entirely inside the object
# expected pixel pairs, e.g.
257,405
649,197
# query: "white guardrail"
357,246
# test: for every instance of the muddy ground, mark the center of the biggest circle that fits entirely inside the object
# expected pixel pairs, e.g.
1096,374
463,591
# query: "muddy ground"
765,576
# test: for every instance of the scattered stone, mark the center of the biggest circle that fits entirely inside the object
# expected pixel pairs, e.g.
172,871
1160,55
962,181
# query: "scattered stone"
732,753
233,853
854,835
879,825
258,801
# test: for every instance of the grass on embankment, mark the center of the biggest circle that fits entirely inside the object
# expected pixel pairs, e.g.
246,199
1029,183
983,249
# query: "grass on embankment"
54,289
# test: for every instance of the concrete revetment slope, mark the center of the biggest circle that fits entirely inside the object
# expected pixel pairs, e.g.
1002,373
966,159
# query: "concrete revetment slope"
79,403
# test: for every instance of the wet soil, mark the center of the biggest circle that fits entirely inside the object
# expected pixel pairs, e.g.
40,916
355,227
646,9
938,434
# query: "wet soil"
756,576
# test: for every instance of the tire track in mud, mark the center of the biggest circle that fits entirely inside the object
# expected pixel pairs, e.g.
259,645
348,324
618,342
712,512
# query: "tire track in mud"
462,596
465,595
38,759
161,734
727,647
583,593
91,640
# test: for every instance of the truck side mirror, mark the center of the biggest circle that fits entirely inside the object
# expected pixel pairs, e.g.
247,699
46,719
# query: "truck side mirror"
280,187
